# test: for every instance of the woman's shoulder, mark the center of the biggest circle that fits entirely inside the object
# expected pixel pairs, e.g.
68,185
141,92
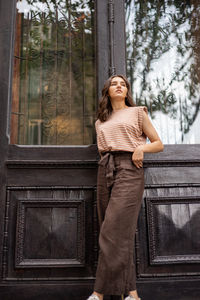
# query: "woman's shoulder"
97,123
141,108
138,109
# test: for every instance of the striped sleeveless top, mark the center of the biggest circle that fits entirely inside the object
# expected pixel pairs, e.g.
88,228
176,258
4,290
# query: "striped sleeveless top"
122,131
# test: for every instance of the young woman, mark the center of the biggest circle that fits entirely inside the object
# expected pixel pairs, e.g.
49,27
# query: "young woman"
122,128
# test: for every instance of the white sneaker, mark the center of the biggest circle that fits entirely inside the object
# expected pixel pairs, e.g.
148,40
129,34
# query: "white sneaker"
130,297
93,297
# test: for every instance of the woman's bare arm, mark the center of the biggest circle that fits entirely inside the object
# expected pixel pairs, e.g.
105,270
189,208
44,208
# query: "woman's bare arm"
155,146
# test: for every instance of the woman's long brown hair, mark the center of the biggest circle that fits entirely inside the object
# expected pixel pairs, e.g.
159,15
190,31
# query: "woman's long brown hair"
105,107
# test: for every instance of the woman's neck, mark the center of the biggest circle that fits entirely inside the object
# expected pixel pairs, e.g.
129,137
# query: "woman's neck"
119,106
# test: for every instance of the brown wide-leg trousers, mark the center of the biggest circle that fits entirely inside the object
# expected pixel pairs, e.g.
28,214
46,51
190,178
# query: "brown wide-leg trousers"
120,188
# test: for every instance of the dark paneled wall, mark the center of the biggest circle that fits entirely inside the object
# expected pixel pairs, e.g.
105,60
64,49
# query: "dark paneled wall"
48,220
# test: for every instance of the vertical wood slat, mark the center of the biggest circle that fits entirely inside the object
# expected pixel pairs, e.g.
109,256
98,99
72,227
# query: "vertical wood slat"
119,37
7,15
111,20
56,71
16,80
102,44
83,70
40,106
24,104
70,61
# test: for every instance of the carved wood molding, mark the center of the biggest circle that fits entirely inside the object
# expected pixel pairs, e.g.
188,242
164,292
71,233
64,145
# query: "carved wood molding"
23,204
170,185
95,232
171,163
5,240
166,276
51,187
92,164
137,253
155,258
49,164
19,200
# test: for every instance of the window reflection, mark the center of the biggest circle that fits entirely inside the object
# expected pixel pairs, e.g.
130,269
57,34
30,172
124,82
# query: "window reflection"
54,73
163,64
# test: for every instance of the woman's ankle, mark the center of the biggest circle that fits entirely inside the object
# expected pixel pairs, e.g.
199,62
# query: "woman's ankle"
99,295
134,294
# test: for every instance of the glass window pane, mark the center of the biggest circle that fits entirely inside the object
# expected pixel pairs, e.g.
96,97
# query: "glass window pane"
53,98
163,65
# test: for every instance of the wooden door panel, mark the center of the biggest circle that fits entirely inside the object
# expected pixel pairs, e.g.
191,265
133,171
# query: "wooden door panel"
173,175
173,229
52,177
50,237
167,241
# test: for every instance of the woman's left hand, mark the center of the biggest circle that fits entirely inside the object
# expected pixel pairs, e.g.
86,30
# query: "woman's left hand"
137,157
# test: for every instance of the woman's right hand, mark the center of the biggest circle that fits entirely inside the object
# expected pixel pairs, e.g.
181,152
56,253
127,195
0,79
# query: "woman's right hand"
138,156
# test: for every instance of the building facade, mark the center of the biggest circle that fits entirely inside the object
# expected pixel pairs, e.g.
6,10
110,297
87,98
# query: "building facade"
54,58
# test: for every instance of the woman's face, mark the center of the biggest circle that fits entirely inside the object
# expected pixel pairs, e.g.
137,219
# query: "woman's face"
117,88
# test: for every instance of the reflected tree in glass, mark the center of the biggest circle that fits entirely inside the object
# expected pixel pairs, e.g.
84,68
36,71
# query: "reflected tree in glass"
163,64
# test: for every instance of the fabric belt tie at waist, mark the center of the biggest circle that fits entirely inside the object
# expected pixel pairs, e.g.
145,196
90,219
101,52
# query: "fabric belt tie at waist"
108,161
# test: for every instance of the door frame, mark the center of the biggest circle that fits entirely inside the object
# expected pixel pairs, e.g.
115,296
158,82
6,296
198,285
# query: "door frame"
110,59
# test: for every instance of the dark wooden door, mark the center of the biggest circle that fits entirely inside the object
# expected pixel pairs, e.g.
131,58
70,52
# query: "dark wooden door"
55,56
162,54
48,223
